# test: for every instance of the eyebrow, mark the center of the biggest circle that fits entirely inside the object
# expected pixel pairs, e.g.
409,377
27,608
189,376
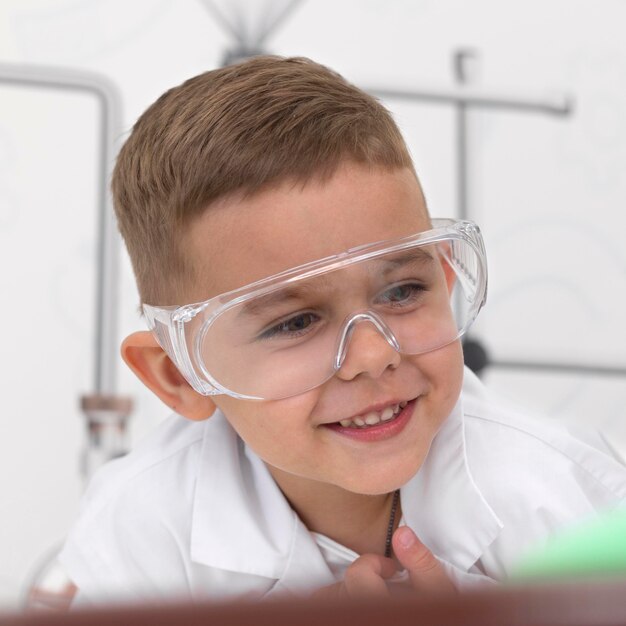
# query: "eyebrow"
417,256
288,294
257,305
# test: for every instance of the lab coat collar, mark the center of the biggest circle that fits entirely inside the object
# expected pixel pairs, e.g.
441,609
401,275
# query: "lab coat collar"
242,522
442,504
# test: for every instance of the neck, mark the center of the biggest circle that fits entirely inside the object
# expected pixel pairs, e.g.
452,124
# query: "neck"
357,521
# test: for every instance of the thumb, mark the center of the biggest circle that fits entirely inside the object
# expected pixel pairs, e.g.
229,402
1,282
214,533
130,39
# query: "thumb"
425,571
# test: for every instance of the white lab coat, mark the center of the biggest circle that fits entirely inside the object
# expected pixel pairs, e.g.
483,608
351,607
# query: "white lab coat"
192,512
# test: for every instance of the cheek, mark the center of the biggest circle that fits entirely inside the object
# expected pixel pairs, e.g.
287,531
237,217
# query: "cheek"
270,426
443,369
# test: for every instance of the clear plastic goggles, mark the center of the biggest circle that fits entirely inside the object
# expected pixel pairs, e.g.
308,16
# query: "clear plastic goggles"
286,334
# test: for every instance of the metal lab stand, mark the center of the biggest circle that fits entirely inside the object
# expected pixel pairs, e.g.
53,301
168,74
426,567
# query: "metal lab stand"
464,98
106,412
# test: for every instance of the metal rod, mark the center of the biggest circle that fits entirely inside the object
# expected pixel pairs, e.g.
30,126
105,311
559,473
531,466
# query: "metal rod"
107,236
563,368
472,97
461,160
461,59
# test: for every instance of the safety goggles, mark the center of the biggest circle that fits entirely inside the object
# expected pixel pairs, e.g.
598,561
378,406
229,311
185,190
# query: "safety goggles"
289,333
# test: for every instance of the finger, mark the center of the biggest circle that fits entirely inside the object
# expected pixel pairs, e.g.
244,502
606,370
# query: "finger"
336,591
366,576
425,571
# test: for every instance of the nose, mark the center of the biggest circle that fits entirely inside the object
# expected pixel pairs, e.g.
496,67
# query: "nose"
366,346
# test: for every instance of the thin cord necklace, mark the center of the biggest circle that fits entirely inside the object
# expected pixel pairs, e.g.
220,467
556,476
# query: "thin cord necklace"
392,521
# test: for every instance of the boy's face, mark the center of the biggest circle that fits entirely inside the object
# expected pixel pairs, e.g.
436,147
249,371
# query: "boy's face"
241,240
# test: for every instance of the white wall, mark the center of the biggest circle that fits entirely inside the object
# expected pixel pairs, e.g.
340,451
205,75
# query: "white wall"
549,194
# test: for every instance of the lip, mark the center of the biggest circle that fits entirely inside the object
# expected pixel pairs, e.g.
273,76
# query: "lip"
380,432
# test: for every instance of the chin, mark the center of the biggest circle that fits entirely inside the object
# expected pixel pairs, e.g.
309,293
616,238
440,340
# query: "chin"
381,482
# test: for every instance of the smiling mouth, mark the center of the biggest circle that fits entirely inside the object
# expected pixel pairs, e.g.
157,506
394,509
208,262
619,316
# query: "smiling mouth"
374,418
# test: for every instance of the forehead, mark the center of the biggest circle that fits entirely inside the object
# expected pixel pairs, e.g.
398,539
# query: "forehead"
343,280
240,240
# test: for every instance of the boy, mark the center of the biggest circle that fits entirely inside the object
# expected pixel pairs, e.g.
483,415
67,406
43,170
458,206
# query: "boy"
323,411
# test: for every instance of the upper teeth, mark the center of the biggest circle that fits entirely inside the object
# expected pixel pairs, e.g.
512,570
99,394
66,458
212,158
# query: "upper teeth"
374,417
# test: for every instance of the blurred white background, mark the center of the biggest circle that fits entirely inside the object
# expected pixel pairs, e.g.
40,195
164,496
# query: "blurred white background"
549,193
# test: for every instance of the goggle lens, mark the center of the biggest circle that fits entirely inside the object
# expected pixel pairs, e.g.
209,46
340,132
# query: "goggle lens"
295,337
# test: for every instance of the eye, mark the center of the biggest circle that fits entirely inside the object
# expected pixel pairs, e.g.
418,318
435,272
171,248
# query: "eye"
295,326
401,295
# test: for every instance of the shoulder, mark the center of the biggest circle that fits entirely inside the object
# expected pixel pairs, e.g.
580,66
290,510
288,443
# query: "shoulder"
536,477
519,453
133,523
171,449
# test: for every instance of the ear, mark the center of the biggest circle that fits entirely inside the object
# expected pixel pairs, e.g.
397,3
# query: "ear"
145,357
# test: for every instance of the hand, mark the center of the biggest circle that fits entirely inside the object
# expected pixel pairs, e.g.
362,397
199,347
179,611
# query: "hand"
426,574
367,576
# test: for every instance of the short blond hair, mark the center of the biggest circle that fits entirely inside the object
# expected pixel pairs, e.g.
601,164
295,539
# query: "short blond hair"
236,129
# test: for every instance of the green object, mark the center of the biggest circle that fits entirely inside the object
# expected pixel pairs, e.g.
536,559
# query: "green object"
597,547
